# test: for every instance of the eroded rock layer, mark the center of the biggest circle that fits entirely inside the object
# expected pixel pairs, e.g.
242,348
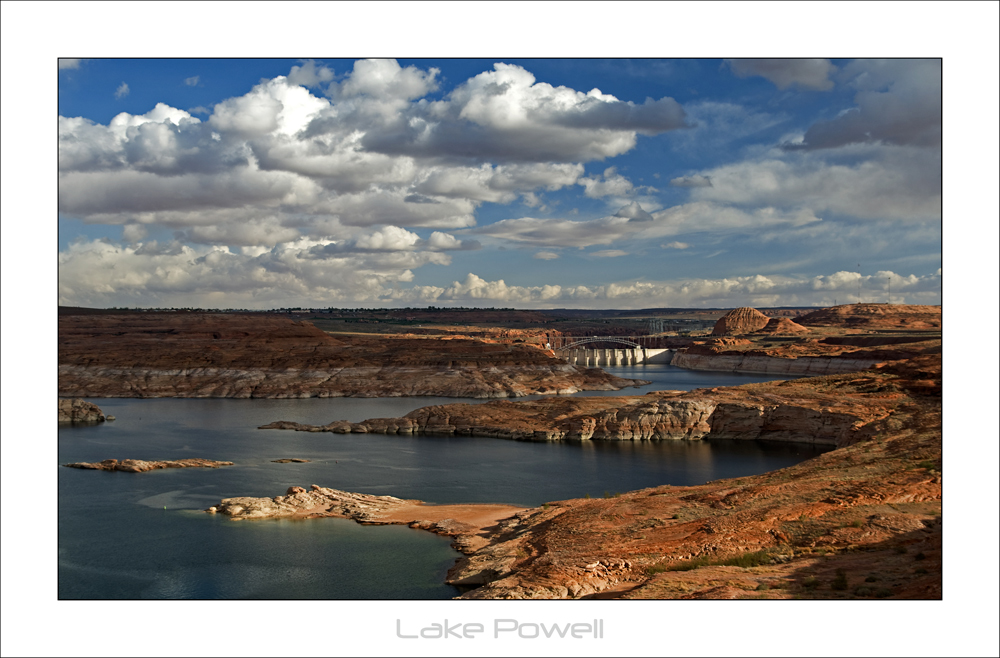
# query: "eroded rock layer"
79,411
742,320
860,522
836,410
141,466
256,356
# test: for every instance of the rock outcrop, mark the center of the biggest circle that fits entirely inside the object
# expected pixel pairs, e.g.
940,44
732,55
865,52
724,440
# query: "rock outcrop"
860,522
317,501
79,411
238,356
806,366
742,320
905,317
837,410
141,466
782,327
466,524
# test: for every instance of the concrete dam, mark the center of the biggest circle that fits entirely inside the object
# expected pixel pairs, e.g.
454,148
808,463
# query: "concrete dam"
593,358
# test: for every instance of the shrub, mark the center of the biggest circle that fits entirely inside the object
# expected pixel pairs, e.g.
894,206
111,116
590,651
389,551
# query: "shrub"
862,591
871,579
690,565
810,583
920,556
857,523
748,560
883,592
840,582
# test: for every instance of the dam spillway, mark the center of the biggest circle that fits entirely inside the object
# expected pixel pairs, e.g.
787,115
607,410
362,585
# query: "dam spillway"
594,358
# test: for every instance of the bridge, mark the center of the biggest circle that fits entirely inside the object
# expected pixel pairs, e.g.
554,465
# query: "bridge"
632,352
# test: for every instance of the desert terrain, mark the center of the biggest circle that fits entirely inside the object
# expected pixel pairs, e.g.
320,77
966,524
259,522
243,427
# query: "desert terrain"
861,521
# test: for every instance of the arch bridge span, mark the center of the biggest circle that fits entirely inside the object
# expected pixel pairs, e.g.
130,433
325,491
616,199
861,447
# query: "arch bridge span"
599,339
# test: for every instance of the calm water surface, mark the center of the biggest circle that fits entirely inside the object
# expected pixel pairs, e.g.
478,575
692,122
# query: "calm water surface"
126,535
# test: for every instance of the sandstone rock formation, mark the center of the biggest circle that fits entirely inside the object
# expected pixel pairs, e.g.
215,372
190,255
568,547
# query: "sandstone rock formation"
782,327
244,356
467,524
835,410
141,466
742,320
79,411
909,317
859,522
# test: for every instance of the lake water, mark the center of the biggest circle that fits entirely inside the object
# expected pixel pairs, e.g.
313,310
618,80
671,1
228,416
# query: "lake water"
138,536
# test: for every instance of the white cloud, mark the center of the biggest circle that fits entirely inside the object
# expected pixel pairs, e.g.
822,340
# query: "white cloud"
122,91
613,184
558,232
609,253
192,81
890,183
505,115
785,72
546,255
309,75
69,63
754,290
675,245
386,79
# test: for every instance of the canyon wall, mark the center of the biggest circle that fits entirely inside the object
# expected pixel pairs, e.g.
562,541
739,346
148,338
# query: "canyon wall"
809,366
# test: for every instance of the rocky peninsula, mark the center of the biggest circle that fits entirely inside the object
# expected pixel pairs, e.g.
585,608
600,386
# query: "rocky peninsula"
466,523
80,411
141,466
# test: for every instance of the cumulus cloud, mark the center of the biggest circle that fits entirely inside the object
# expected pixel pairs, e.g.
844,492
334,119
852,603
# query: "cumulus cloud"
546,255
281,149
309,74
609,253
505,115
754,290
102,274
897,102
69,63
613,183
122,90
192,81
785,73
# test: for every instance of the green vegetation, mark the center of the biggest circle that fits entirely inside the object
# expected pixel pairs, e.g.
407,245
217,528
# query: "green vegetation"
840,582
746,560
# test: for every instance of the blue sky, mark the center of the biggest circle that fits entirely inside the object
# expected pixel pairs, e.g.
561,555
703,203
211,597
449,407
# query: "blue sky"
538,183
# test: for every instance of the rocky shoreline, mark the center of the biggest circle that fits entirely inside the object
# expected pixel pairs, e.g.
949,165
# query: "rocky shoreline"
141,466
80,411
467,524
862,521
825,411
